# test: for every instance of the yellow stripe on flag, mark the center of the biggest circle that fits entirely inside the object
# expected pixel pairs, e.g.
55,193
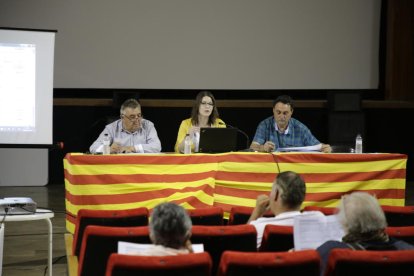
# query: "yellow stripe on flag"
126,169
383,184
151,203
237,201
343,167
254,186
124,188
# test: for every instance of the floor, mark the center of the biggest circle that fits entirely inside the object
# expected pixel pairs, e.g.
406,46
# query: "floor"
25,243
25,246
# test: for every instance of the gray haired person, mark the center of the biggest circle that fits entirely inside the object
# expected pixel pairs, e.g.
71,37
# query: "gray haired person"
364,223
170,227
129,134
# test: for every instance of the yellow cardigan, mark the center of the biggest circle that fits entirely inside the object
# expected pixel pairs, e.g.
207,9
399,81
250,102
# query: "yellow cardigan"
185,127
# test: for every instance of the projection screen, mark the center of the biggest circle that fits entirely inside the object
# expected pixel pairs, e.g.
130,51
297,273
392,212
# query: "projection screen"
26,86
216,44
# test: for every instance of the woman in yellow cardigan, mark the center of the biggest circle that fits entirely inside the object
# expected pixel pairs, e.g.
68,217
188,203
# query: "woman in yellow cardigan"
203,114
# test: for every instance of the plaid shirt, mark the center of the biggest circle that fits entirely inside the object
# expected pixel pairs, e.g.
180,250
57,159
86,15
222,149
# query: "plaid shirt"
296,135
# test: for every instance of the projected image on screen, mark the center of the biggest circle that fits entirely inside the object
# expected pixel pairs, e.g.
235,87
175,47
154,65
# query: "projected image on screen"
17,85
26,86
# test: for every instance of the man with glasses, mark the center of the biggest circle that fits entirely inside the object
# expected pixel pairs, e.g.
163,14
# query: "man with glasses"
130,134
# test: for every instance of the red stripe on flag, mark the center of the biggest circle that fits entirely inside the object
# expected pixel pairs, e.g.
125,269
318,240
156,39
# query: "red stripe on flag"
313,177
193,201
353,176
333,158
226,207
245,176
109,179
237,192
380,194
71,218
161,159
134,196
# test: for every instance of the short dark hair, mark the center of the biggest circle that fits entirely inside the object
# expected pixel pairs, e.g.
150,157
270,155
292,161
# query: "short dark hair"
293,188
285,99
130,103
194,112
170,225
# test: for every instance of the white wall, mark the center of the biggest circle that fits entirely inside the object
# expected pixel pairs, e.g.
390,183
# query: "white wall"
215,44
24,167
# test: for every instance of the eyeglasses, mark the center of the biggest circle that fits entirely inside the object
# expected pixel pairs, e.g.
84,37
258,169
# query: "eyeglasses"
206,103
133,117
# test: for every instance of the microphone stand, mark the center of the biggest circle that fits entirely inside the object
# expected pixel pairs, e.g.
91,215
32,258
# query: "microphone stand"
240,131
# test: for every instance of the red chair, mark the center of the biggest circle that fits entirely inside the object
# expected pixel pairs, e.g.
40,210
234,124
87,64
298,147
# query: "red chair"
206,216
180,265
405,233
99,242
277,238
126,218
355,262
399,215
306,262
325,210
241,214
217,239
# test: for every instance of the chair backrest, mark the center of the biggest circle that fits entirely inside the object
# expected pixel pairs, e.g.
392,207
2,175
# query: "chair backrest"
277,238
306,262
399,215
127,218
241,214
217,239
180,265
356,262
405,233
99,242
327,211
206,216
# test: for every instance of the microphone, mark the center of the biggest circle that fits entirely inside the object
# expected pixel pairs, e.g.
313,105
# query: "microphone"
60,145
240,131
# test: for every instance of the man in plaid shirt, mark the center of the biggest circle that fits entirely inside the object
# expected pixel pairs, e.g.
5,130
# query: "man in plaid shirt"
283,131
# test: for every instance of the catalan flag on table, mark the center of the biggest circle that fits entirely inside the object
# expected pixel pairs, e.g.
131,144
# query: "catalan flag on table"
225,180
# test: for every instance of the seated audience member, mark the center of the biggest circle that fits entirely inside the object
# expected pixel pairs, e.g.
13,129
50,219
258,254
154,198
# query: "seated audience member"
285,200
131,133
281,130
170,231
203,114
364,223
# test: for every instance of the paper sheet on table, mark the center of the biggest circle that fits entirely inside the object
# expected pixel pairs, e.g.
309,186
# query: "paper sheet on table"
129,248
303,149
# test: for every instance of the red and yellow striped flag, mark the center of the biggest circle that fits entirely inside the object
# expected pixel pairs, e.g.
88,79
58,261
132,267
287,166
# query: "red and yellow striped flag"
225,180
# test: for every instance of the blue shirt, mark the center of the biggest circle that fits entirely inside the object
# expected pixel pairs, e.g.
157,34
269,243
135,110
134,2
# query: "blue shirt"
296,135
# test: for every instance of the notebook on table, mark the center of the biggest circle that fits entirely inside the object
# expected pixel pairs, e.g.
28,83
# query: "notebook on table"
217,140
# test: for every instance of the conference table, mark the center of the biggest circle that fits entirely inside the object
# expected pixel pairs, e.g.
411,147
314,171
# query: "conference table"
128,181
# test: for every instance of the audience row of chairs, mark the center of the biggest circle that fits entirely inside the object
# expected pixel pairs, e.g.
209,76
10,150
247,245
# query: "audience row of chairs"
341,262
99,242
234,263
93,243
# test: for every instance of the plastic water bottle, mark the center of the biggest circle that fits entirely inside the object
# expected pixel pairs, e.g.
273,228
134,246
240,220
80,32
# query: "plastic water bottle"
187,144
358,144
106,144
